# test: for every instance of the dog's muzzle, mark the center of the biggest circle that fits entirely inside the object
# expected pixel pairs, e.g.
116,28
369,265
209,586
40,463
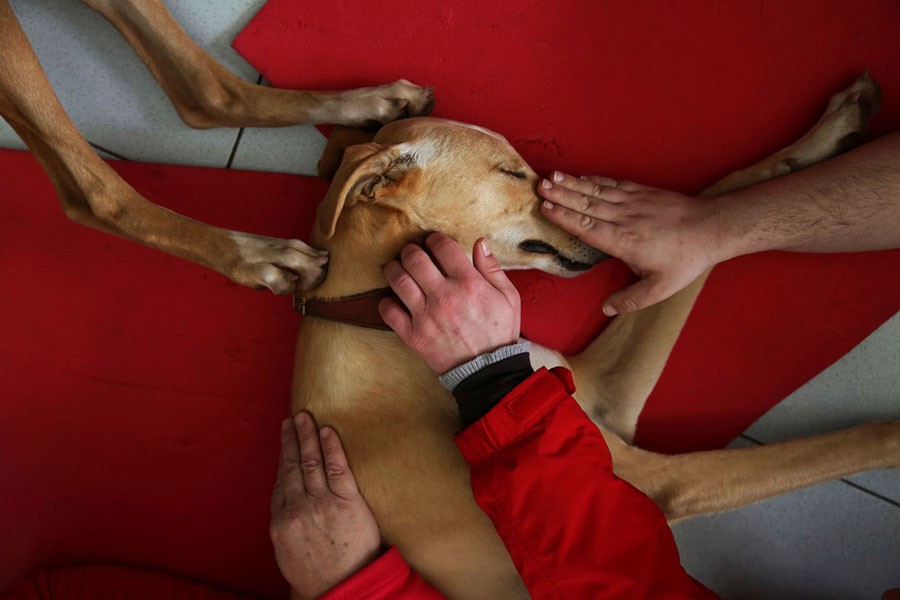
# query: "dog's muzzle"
585,257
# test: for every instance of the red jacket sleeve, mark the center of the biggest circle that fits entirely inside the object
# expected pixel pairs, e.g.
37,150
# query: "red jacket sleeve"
542,472
388,577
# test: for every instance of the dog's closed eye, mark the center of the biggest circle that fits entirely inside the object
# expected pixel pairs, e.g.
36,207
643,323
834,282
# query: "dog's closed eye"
514,173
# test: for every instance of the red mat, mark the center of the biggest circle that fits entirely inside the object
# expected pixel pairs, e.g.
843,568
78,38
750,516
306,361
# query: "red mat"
141,395
674,94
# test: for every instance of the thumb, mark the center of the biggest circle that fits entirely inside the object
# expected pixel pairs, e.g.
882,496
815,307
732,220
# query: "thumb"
489,267
642,294
396,317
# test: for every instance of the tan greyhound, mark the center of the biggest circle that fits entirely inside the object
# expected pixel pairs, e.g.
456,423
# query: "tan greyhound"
395,420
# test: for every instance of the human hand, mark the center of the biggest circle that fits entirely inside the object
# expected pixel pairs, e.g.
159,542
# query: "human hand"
668,239
322,529
450,319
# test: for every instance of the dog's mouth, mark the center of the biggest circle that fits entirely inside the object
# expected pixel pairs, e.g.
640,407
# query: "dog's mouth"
591,255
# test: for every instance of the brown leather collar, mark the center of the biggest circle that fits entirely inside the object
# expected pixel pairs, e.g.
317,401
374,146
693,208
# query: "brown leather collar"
360,309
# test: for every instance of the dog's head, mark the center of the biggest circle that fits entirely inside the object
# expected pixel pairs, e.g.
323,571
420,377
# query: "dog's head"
465,181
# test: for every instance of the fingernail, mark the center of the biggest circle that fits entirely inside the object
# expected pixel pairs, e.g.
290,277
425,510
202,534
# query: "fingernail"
324,433
557,176
546,184
548,205
609,311
300,418
286,424
485,249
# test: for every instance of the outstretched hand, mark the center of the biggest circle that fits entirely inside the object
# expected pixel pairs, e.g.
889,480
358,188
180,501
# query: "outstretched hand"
668,239
322,529
450,319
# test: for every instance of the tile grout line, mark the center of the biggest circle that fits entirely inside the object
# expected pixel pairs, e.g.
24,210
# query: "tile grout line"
240,134
870,492
856,486
234,148
107,151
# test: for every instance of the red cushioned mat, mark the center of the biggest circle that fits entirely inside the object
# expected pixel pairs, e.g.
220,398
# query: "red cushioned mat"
674,94
141,395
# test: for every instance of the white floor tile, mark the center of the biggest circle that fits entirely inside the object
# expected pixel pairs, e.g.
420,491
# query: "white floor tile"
829,541
280,149
108,92
8,137
284,150
862,386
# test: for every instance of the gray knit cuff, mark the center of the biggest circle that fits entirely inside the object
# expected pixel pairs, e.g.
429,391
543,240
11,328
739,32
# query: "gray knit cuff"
454,377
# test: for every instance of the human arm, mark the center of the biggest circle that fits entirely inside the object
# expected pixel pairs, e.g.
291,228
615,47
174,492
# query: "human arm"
541,470
326,540
847,204
539,467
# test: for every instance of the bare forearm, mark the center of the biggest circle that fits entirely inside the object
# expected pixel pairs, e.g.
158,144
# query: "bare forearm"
847,204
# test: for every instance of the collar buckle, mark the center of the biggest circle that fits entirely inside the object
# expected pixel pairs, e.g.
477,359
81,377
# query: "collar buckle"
300,305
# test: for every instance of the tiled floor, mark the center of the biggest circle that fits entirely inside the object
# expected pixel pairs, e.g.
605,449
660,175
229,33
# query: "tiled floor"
837,540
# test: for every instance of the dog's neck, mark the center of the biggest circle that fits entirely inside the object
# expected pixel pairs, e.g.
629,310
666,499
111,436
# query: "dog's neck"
366,239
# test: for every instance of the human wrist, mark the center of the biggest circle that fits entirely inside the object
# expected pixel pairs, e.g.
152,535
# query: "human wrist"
461,372
482,391
730,229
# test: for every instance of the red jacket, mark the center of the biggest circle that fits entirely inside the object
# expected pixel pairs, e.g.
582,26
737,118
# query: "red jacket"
532,455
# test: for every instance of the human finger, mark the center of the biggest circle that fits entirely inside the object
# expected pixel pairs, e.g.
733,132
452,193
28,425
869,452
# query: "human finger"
337,471
602,188
584,203
488,265
421,268
396,317
621,184
404,286
641,294
449,255
311,463
594,232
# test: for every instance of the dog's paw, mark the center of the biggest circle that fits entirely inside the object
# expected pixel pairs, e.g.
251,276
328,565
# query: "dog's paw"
852,108
839,129
281,266
368,107
847,115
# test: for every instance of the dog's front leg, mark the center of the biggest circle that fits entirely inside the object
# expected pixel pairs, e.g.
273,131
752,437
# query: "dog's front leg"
93,194
205,94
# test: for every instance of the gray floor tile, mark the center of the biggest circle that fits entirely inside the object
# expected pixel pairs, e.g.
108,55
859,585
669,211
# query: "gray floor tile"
826,542
8,137
114,99
862,386
284,150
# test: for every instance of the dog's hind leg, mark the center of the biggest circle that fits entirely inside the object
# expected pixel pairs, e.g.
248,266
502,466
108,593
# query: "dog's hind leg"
205,94
93,194
698,483
617,372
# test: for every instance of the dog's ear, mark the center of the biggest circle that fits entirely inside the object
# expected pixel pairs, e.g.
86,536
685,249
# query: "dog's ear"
368,173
